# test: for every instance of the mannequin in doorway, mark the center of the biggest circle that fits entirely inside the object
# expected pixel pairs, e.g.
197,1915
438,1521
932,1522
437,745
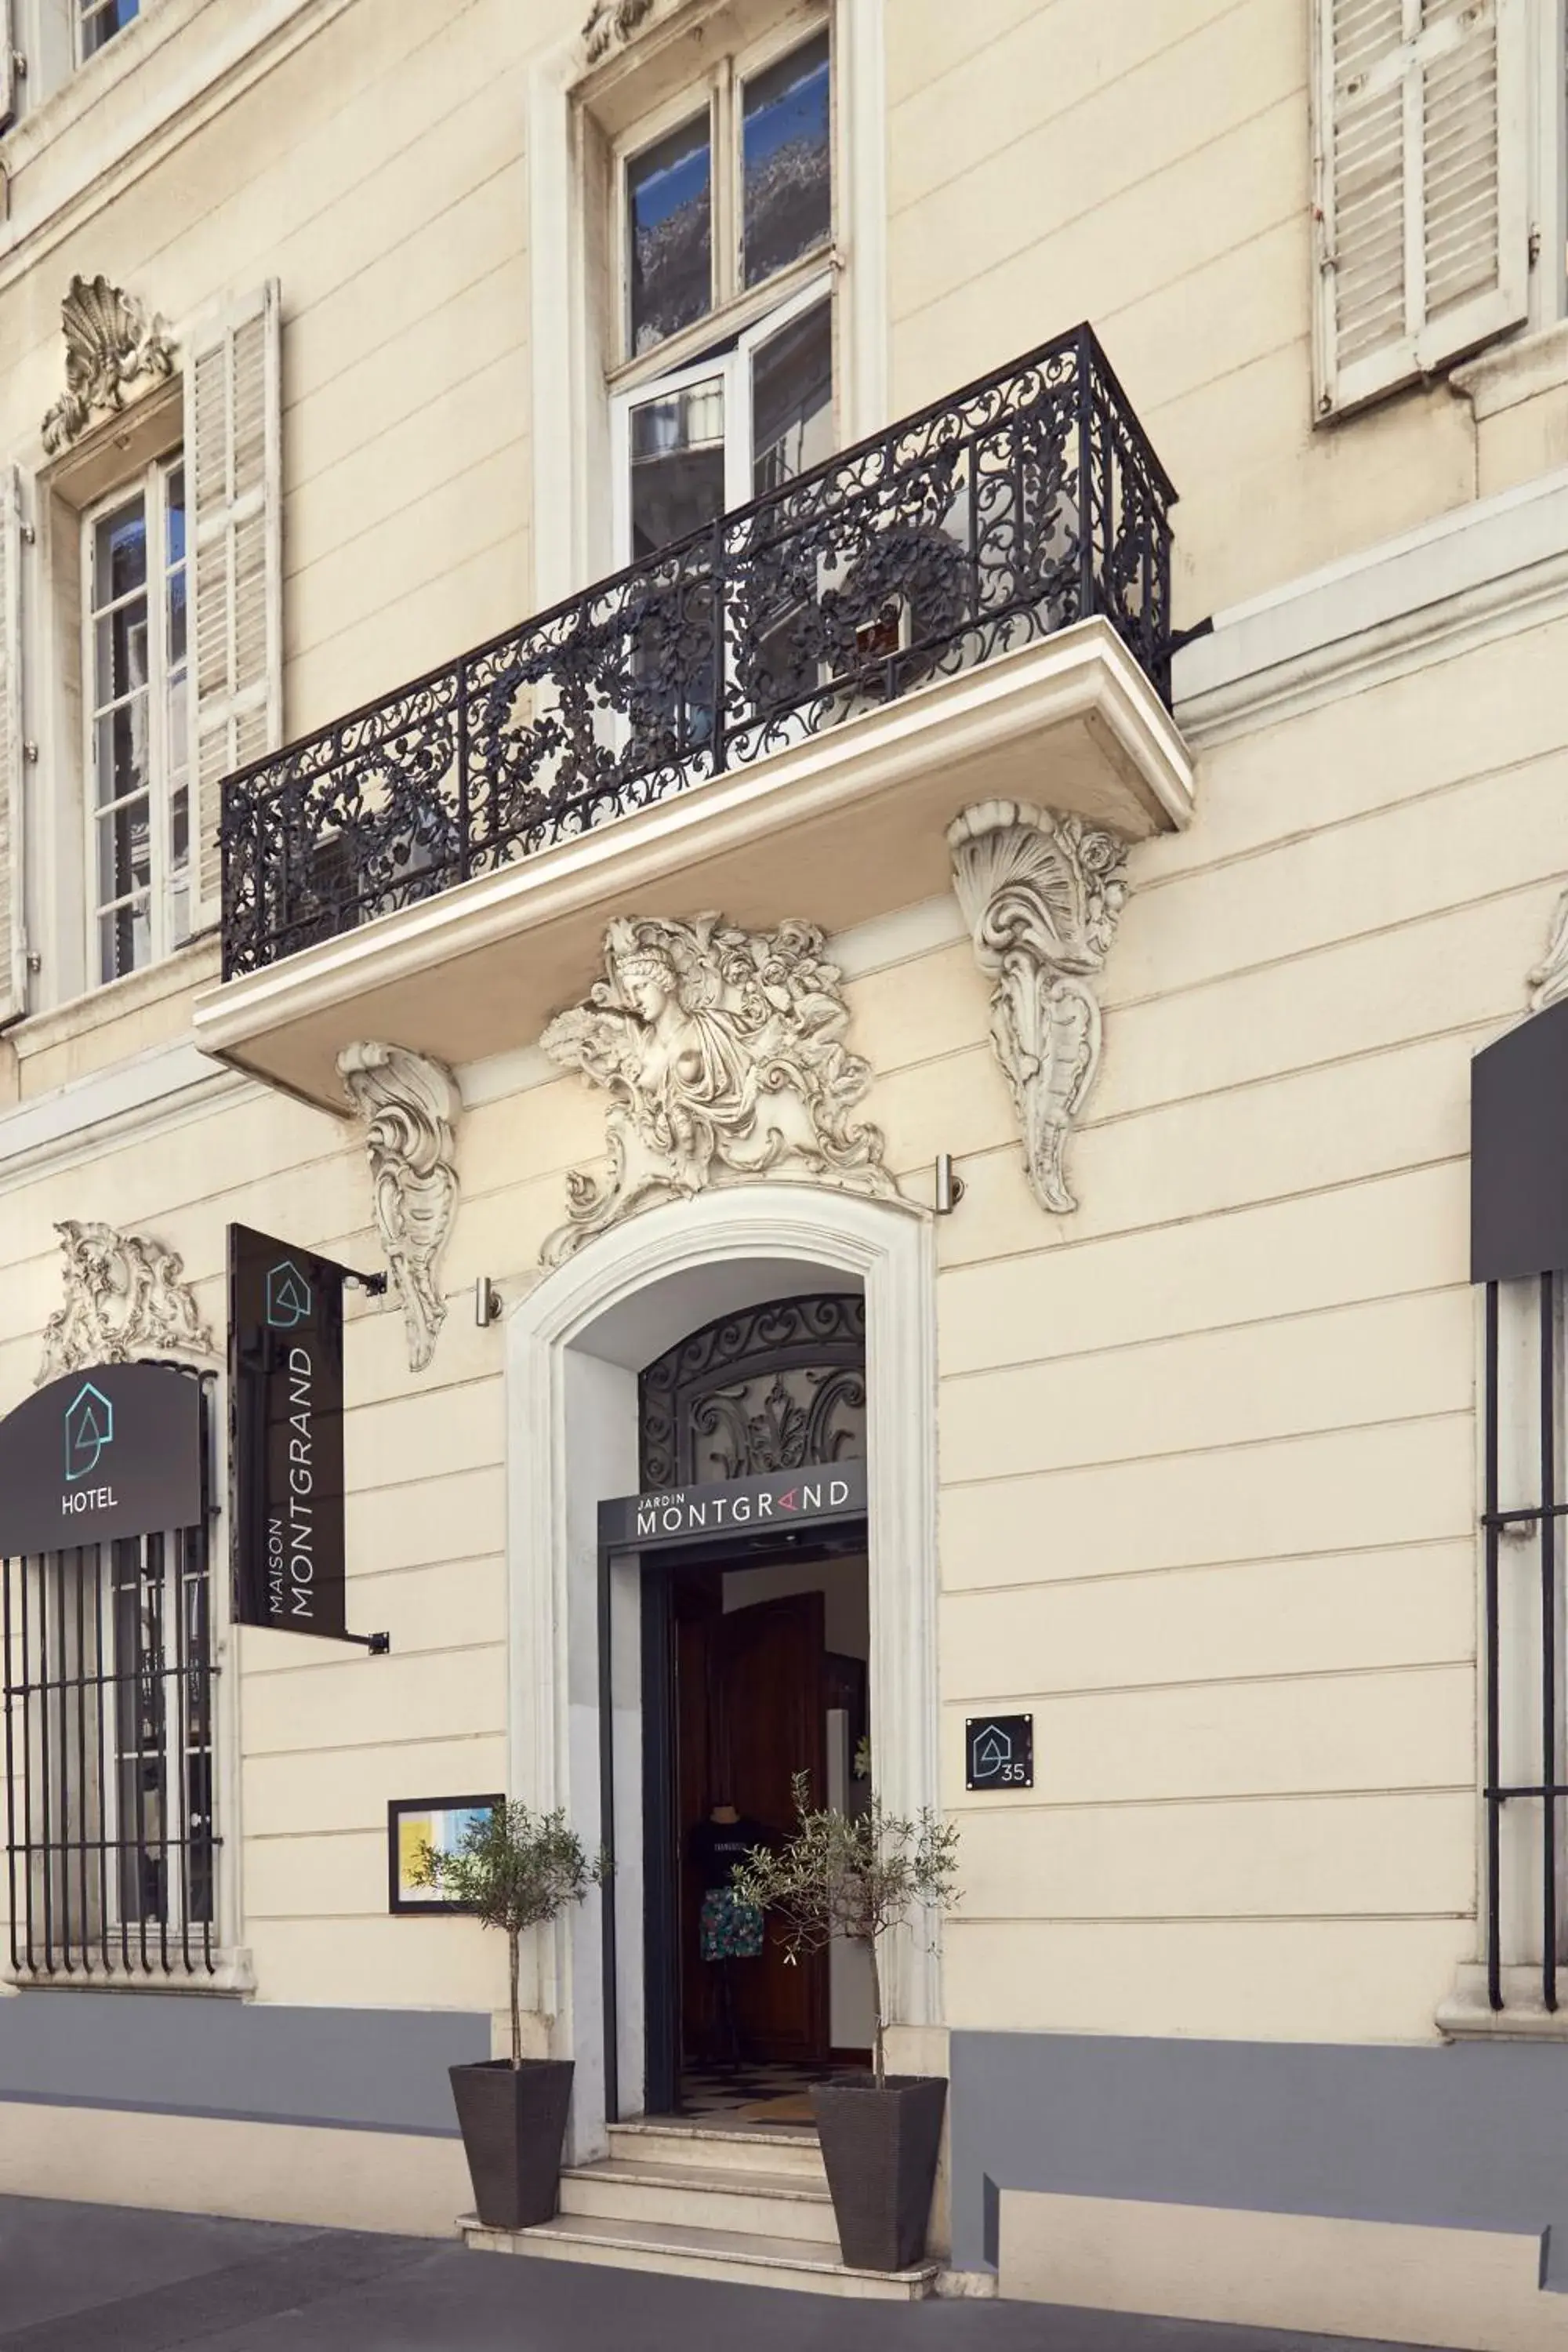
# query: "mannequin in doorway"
728,1929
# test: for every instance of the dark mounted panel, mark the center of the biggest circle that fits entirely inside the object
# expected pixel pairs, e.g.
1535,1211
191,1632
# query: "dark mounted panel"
1518,1151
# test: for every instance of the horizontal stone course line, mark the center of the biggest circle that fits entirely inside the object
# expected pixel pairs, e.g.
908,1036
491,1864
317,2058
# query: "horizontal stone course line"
1005,1806
380,519
1284,1674
1036,133
1272,1319
1464,1416
952,1594
992,1923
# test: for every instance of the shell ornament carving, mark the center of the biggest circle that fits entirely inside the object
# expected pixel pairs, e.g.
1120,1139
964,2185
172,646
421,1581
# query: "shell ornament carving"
1042,895
110,344
722,1052
126,1297
409,1106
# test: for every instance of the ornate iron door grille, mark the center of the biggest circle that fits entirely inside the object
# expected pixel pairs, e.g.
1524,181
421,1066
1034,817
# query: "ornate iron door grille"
1016,506
774,1388
109,1682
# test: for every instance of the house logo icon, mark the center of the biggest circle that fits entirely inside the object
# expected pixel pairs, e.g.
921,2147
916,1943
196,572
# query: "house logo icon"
90,1430
990,1752
288,1295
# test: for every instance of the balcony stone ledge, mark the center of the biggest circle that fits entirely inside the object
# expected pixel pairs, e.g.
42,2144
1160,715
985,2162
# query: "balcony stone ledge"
844,827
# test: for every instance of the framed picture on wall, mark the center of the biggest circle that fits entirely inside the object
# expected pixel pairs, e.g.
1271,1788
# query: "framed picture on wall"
412,1825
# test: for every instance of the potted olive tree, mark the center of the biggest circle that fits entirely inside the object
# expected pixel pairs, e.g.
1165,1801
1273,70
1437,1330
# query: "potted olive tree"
514,1870
863,1876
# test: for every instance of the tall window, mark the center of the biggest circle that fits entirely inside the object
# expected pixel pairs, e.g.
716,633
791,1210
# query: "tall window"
138,854
109,1758
98,21
726,229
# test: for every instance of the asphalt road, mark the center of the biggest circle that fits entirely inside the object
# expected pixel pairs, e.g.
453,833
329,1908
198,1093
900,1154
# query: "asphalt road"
97,2278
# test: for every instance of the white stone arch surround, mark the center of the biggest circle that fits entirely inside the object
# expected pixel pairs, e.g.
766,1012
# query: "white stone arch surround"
574,1345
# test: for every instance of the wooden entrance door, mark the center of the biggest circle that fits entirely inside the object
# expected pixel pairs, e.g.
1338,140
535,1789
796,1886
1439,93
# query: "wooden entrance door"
752,1714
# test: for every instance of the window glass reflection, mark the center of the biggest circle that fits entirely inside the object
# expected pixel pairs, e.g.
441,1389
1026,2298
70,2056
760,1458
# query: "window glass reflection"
792,400
785,162
678,464
670,231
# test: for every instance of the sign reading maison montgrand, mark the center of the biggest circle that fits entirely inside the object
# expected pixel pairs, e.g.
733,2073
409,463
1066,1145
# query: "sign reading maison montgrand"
286,1343
781,1499
112,1451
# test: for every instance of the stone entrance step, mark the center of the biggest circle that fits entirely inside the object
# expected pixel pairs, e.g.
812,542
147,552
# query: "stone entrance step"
695,2200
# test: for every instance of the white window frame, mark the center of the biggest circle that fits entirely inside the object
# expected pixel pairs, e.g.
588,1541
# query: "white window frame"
167,883
733,304
733,369
574,113
80,11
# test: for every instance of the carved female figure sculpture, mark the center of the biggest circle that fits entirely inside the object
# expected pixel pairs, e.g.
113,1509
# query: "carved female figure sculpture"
722,1052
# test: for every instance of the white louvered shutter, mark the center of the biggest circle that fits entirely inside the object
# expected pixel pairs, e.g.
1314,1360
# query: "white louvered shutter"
1420,112
13,757
8,62
233,498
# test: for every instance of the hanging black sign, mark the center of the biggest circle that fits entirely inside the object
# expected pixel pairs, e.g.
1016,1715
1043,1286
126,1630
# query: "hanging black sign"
286,1361
777,1499
113,1450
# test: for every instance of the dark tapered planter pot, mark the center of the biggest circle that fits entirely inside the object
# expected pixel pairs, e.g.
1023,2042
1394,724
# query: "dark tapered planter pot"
880,2147
513,2122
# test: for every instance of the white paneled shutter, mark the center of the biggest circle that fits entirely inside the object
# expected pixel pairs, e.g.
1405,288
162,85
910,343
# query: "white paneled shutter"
1423,212
13,754
233,498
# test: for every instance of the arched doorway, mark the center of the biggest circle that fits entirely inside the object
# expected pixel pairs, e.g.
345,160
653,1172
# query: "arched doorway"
577,1348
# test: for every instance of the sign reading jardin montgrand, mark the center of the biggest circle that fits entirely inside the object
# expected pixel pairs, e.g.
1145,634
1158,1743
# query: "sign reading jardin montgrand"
779,1500
285,1359
112,1451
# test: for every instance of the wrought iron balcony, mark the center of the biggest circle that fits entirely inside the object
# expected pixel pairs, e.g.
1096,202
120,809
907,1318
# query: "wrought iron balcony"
999,516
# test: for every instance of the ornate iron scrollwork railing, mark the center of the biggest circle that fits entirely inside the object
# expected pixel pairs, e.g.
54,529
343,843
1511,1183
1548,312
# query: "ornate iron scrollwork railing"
1000,515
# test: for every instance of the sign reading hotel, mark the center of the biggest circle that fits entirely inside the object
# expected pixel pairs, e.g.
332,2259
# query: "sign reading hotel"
112,1451
285,1362
778,1500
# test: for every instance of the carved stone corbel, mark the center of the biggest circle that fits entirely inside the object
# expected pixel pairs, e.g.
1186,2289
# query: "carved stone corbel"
1042,893
125,1298
409,1104
1549,979
110,345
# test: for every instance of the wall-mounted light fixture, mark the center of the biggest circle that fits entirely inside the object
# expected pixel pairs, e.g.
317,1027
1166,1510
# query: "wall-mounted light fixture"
486,1301
949,1187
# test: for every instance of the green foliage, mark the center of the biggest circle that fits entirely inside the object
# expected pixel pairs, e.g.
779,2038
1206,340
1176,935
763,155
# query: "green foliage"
514,1869
859,1876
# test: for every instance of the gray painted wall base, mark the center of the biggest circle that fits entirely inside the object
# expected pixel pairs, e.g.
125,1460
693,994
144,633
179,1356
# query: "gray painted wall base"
1470,2135
189,2054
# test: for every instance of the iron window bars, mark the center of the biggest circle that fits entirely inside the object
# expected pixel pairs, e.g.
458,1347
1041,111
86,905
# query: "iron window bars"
109,1691
1008,511
1517,1590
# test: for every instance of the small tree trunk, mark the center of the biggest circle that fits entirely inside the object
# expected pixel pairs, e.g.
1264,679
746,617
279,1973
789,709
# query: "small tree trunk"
515,1943
878,2057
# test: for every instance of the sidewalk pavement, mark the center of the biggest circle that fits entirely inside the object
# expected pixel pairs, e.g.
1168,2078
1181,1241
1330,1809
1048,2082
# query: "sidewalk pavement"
100,2278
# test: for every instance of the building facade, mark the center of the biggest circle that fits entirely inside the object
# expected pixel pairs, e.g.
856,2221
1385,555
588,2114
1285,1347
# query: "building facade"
877,944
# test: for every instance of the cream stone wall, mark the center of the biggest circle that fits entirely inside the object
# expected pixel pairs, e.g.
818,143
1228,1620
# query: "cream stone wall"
1207,1446
1149,170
